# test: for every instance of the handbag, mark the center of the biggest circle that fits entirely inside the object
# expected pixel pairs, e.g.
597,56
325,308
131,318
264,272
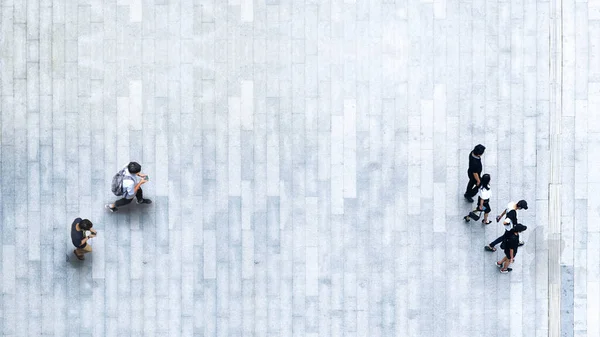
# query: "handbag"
473,214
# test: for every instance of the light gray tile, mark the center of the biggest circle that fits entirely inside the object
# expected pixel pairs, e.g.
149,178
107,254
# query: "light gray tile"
306,193
20,50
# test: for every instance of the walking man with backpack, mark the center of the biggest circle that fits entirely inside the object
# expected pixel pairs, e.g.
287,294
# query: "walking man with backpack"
127,184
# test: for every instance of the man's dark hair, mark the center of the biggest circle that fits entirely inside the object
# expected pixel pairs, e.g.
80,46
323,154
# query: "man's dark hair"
479,150
85,224
522,204
134,167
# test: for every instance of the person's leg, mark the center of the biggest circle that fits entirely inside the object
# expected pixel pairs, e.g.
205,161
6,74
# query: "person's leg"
79,252
122,202
490,247
473,191
506,264
118,203
506,261
521,242
87,249
471,186
498,240
487,211
139,196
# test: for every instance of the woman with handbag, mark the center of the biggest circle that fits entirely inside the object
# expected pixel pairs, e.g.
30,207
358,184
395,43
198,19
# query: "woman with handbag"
483,201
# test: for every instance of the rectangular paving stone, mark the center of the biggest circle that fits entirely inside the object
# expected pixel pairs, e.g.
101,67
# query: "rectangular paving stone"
19,50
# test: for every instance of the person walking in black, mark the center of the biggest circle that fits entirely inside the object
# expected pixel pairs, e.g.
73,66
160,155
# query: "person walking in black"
510,245
510,222
474,172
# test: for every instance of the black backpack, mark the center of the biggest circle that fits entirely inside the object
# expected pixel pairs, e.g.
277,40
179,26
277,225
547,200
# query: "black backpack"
511,241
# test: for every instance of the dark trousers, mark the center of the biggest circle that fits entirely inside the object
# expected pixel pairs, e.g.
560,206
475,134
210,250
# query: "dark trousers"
125,201
471,186
486,204
500,239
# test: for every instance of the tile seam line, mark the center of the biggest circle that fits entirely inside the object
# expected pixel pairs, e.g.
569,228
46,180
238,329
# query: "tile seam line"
554,188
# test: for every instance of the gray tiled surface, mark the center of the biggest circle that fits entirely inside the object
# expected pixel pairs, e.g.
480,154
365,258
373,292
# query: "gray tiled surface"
307,161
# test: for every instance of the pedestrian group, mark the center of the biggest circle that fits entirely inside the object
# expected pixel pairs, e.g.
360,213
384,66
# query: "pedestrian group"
479,186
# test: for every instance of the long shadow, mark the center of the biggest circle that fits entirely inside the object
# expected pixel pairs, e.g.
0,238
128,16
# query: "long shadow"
131,208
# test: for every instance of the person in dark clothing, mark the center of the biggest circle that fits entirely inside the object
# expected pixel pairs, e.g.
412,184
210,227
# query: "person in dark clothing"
510,246
80,241
510,221
474,172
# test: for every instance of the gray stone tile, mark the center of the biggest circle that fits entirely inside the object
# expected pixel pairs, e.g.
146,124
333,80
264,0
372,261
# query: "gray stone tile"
20,50
319,140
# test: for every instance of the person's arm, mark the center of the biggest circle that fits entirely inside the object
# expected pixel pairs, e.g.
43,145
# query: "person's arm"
476,176
512,255
85,240
480,204
138,185
500,216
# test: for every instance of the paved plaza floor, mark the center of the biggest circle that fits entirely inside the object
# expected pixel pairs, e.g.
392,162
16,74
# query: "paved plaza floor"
307,160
